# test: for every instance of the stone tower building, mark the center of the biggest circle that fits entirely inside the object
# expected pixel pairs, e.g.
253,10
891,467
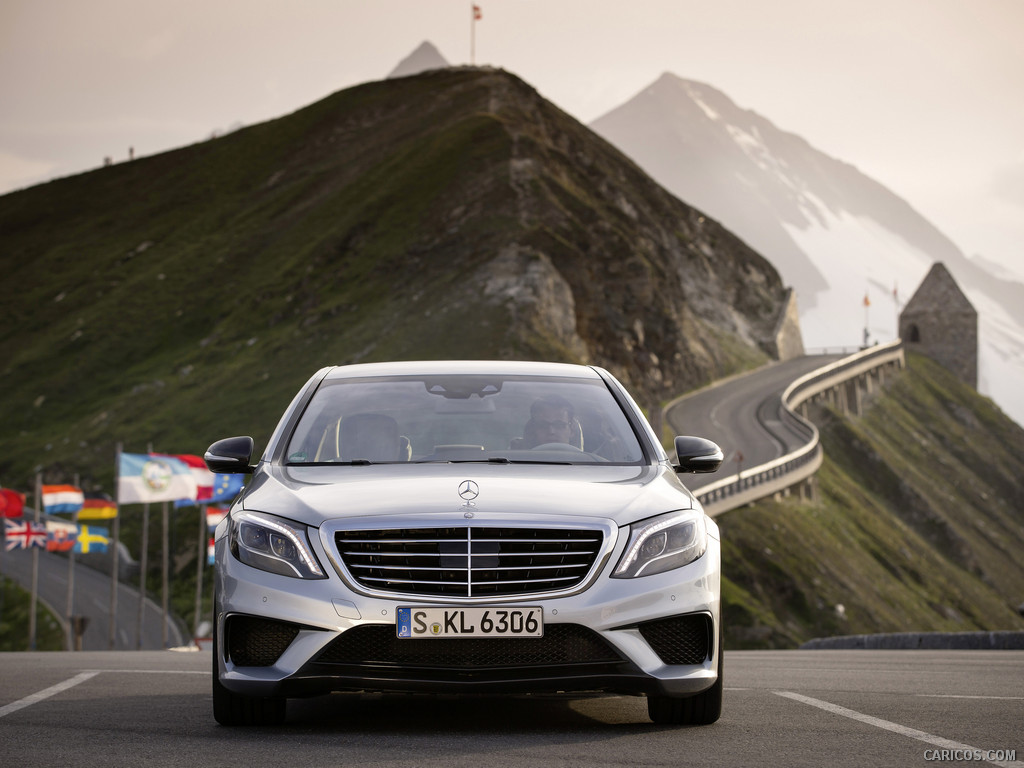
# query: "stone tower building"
940,322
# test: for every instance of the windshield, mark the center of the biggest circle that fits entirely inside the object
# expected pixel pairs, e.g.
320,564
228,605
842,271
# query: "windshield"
463,418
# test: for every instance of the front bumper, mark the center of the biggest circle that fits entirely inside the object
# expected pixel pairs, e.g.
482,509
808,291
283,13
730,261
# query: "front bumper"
289,637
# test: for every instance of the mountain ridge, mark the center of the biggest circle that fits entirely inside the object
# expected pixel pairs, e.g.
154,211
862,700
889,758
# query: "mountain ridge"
450,214
835,234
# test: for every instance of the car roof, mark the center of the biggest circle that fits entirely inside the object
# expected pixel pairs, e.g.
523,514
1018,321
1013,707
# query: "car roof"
441,367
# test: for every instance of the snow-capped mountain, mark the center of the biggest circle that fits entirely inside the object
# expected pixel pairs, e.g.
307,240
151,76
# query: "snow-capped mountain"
854,251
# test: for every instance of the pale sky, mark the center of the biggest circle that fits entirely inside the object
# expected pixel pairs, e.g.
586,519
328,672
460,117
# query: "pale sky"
925,96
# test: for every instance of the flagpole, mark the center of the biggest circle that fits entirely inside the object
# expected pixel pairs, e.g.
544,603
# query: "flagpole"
472,34
201,561
143,565
3,548
35,570
112,633
71,579
164,572
867,305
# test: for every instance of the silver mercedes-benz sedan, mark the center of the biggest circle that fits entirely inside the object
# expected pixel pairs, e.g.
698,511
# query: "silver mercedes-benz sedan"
474,527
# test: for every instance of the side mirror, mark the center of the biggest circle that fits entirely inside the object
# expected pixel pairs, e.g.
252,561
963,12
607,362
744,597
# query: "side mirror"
230,456
696,454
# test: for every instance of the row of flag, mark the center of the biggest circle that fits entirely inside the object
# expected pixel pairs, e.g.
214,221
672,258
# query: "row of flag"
54,536
64,536
181,478
60,500
142,478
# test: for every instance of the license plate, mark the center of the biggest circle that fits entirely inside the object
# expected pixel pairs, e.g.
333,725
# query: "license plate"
476,621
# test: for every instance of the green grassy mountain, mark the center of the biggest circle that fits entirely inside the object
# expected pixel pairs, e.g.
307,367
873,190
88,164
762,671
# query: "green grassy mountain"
184,297
919,525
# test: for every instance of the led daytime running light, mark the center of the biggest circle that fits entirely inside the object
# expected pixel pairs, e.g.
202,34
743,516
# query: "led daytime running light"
642,538
303,557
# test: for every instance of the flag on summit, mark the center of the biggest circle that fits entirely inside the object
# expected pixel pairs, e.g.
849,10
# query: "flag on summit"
62,499
144,477
12,503
477,13
24,534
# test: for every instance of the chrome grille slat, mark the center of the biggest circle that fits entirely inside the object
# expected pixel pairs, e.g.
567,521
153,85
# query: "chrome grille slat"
461,569
469,561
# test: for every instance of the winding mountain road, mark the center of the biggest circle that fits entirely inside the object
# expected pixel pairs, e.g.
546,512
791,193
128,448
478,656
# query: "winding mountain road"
741,414
92,600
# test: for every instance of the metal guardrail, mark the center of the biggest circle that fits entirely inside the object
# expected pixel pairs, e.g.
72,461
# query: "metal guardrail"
786,471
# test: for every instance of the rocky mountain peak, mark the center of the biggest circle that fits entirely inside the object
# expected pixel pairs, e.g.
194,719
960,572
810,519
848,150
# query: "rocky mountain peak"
424,58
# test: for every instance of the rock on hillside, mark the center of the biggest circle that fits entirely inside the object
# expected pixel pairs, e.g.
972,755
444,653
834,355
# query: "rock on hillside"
593,261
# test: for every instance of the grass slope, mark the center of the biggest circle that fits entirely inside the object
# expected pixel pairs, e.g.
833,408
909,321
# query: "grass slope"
211,276
15,609
919,525
177,299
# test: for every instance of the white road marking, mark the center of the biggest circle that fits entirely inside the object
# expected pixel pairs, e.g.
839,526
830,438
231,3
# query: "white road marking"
47,693
903,730
81,677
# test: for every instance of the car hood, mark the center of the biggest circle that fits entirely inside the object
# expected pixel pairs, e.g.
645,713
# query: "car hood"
315,495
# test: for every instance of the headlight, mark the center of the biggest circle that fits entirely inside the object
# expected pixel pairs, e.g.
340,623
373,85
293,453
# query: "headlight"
273,544
662,543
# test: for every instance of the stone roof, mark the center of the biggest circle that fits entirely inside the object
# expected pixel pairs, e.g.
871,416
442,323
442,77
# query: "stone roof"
938,292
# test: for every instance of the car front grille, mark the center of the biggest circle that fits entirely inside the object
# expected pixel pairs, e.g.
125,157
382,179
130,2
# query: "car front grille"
466,561
377,645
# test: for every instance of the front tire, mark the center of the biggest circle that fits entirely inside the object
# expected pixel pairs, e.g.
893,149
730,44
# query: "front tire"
702,709
233,709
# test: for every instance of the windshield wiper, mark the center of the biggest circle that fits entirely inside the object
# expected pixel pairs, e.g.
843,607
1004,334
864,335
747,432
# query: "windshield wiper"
491,460
353,463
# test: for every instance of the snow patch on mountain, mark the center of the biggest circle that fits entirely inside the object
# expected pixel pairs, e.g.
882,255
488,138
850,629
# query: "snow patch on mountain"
834,234
860,260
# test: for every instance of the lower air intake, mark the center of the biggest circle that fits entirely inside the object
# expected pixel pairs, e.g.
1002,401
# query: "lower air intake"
679,639
257,642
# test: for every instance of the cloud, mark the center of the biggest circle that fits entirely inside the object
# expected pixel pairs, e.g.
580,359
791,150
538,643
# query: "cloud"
16,172
1008,183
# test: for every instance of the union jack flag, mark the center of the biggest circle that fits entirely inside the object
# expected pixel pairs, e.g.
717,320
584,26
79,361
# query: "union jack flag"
24,534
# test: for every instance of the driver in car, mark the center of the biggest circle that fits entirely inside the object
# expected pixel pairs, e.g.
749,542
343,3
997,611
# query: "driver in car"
552,421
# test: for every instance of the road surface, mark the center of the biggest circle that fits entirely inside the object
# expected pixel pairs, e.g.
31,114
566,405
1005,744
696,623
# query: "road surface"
741,414
92,600
782,708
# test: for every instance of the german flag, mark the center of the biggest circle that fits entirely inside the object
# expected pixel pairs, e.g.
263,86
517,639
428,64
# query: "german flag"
97,508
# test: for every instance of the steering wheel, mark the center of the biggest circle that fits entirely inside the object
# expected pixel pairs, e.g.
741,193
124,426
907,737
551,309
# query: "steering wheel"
557,447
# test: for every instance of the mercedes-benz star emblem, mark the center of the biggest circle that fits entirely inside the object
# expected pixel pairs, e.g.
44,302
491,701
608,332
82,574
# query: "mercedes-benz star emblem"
469,490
